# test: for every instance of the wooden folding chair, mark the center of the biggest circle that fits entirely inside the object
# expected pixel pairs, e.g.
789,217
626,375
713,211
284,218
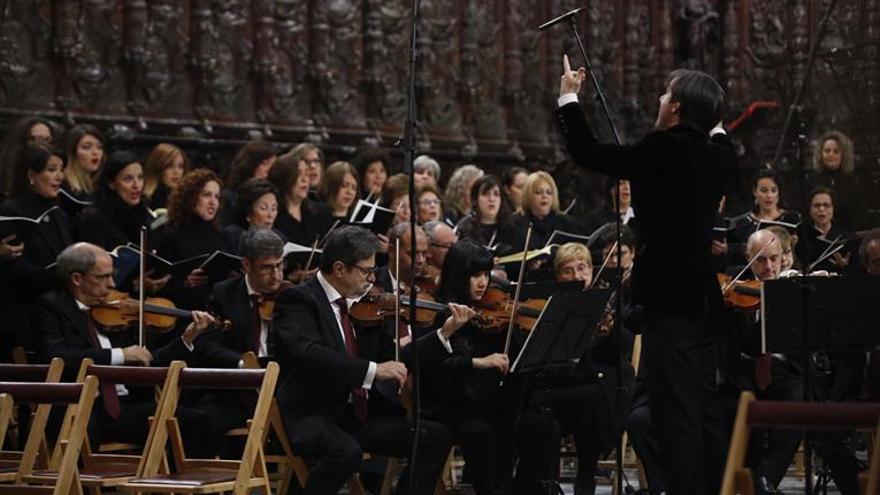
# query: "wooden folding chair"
215,475
47,373
6,407
752,413
83,396
102,470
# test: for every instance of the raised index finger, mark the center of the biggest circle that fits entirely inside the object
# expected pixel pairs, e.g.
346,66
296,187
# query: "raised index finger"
565,64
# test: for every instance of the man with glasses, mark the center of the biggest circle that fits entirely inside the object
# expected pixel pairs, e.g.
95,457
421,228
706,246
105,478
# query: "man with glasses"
329,371
63,327
441,237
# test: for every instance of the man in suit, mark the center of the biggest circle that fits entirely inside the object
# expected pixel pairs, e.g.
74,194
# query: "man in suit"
677,174
64,328
386,279
329,372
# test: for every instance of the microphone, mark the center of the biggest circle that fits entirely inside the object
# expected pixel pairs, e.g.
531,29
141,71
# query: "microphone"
547,25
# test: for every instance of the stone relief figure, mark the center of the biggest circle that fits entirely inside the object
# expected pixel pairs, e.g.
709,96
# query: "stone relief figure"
218,44
436,80
530,117
290,91
480,80
767,47
165,45
15,59
386,48
99,44
701,25
336,64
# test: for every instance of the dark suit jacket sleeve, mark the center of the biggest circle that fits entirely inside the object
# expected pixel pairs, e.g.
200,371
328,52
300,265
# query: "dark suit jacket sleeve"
211,348
623,162
175,350
60,338
297,329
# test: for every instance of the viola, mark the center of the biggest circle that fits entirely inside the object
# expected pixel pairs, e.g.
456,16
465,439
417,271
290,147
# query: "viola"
496,306
744,295
267,305
119,312
378,306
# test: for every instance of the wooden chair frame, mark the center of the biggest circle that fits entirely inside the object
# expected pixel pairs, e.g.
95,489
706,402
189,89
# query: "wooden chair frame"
214,475
83,396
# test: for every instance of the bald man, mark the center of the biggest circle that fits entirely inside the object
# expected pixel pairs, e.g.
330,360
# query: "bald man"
766,246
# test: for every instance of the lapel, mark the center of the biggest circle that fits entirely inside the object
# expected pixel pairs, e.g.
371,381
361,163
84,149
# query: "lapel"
242,312
326,314
77,317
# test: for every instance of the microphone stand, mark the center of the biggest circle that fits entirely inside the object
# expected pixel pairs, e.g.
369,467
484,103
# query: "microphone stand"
409,149
618,303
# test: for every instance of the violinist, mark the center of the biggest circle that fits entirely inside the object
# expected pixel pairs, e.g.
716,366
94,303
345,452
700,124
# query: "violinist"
777,377
441,237
65,329
387,280
463,390
329,373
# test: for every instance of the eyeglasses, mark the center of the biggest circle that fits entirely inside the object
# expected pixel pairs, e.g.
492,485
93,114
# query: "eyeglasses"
272,267
429,202
441,246
366,271
313,162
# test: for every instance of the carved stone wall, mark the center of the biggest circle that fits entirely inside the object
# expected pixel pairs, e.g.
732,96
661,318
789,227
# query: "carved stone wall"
210,74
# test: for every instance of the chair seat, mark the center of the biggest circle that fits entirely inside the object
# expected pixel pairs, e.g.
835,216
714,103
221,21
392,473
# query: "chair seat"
196,478
92,474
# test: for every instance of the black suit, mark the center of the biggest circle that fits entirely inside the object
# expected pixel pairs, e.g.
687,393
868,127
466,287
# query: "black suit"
229,300
677,177
62,329
318,376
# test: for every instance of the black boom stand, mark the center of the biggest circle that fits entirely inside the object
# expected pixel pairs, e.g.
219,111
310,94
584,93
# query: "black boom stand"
570,18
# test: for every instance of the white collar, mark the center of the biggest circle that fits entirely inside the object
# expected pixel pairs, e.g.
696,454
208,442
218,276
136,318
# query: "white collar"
329,291
81,306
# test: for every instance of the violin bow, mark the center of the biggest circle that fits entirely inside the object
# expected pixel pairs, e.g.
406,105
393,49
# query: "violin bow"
739,275
519,282
312,254
605,263
141,271
397,299
832,248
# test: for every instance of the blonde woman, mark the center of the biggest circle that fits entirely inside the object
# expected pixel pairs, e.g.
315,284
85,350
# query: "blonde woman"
833,167
540,207
458,191
85,156
162,172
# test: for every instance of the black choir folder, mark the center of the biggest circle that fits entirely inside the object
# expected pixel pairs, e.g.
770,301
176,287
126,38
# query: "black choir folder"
299,255
372,216
21,226
126,264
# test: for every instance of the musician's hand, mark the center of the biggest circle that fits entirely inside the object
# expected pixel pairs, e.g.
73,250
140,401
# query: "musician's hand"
384,242
719,248
460,315
839,260
137,355
571,80
196,278
391,370
496,360
201,322
9,251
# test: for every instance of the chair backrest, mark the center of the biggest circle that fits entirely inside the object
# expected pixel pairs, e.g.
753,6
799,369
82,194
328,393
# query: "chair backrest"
6,407
51,372
82,395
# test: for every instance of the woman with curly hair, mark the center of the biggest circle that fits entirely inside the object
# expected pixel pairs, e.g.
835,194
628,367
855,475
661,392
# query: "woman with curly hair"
374,168
162,172
458,191
833,167
193,230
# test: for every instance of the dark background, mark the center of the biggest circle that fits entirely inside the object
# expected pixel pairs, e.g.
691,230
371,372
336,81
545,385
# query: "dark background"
211,74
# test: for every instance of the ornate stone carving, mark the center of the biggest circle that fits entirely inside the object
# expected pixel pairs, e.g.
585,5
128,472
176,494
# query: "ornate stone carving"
436,80
386,62
291,95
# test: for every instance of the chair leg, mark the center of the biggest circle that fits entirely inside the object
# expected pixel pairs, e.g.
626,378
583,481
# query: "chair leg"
388,479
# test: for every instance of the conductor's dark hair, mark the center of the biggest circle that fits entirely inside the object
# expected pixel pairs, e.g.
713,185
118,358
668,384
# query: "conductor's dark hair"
700,96
260,243
464,259
349,245
607,235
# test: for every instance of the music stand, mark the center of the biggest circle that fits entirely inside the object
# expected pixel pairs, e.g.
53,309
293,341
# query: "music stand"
562,334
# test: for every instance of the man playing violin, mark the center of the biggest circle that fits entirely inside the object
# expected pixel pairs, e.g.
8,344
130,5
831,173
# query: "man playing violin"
64,328
330,370
776,377
386,279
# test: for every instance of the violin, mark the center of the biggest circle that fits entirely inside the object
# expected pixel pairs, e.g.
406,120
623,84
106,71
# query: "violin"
744,295
160,314
267,306
429,279
496,306
377,306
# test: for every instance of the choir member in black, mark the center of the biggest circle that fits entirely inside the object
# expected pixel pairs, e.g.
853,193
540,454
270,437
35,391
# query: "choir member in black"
374,169
256,207
85,156
299,220
427,171
514,181
163,170
313,158
820,230
339,189
607,212
331,375
584,400
490,220
35,130
24,257
540,207
238,300
776,377
767,190
395,197
254,160
463,391
65,329
834,168
458,191
672,277
429,203
192,230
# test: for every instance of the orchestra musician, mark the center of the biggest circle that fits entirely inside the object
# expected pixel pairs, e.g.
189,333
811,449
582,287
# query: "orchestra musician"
441,237
672,277
463,391
329,372
386,278
65,329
